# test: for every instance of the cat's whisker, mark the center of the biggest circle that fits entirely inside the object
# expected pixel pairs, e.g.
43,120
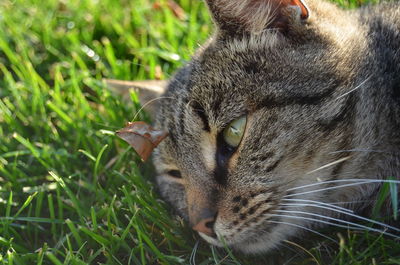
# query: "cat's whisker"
354,89
343,212
360,181
325,189
320,203
335,203
350,202
315,220
329,164
303,227
192,260
358,150
360,226
148,103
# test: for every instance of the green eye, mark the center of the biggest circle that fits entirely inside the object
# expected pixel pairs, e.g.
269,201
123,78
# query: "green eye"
234,132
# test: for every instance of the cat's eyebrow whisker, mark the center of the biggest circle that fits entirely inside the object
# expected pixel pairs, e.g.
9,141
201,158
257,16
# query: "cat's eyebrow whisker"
302,227
330,164
358,226
319,203
343,212
354,89
148,103
359,182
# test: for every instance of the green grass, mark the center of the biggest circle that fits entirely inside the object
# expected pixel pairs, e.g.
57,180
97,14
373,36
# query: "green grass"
70,191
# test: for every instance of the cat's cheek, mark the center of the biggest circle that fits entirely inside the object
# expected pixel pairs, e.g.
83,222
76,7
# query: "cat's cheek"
172,190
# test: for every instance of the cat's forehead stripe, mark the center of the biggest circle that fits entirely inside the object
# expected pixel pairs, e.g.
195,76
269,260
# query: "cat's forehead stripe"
201,113
314,99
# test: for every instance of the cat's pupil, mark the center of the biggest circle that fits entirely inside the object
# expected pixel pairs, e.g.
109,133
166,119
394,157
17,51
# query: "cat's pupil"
234,130
175,174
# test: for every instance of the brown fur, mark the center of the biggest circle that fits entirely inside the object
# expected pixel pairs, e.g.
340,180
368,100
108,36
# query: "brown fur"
317,91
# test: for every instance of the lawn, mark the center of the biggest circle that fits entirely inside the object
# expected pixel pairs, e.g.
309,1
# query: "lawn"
73,193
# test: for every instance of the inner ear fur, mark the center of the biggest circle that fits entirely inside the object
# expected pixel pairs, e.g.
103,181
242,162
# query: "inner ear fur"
254,16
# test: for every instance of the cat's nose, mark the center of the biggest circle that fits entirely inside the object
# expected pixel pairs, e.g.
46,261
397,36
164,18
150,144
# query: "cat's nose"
205,222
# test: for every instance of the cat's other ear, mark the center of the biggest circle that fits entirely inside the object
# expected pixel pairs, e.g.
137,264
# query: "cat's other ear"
254,16
147,91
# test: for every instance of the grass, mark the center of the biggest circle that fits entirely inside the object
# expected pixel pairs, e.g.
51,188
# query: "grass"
70,191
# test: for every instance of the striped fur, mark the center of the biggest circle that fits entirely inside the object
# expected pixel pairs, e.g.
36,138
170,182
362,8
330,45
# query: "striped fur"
323,104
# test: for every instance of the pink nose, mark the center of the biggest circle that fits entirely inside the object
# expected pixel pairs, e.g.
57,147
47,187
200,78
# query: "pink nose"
206,226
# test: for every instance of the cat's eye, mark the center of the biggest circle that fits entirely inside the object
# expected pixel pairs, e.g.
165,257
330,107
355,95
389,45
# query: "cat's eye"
175,173
234,132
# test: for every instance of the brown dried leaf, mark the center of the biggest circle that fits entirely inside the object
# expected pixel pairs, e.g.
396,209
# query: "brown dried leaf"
142,137
176,9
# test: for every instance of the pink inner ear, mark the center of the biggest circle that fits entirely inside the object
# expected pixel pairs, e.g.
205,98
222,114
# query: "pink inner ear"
304,10
283,3
255,15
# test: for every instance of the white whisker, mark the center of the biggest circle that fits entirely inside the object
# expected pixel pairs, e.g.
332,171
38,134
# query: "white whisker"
329,165
358,150
148,103
361,181
325,189
350,202
192,260
314,220
344,212
305,228
340,221
354,89
320,203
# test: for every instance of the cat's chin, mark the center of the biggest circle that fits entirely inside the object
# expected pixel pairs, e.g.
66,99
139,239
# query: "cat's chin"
211,240
247,246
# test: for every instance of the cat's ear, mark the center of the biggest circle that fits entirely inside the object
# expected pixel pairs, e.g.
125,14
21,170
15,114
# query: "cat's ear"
147,91
257,15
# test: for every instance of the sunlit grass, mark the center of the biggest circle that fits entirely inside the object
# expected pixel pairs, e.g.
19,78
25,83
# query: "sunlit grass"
70,191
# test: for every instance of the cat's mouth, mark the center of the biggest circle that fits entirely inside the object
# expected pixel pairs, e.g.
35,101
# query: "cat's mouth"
248,242
211,240
250,245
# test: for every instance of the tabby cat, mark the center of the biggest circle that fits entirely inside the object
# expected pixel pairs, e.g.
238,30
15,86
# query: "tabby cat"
287,120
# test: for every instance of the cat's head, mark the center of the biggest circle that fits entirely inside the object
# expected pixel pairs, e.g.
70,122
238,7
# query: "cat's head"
249,119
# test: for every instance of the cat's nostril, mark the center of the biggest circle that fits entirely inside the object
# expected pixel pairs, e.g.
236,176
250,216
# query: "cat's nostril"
210,224
202,217
206,226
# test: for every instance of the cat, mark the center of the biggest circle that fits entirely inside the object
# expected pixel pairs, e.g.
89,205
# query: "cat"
286,120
